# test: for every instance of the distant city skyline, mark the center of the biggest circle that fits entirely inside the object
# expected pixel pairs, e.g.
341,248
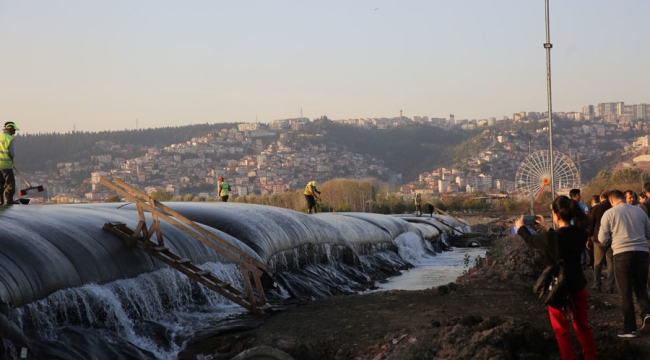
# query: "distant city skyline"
100,66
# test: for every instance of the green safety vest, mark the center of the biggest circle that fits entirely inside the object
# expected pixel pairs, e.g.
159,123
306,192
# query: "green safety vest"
224,189
5,160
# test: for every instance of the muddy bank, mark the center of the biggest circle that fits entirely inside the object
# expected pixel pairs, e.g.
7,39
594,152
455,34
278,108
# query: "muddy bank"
490,313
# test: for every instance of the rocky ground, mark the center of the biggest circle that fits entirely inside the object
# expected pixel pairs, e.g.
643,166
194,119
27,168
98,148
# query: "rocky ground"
490,313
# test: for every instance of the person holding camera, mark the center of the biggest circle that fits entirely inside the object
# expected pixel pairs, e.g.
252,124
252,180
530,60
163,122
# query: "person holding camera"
570,237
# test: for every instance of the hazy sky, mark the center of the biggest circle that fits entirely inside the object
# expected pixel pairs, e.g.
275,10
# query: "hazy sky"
100,65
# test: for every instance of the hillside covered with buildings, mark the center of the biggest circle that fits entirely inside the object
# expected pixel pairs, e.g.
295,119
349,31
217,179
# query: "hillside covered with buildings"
419,154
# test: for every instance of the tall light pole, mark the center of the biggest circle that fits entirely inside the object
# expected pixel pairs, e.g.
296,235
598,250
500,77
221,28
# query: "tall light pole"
548,47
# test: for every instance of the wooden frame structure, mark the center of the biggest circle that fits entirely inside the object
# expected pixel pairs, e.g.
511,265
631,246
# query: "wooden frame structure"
141,237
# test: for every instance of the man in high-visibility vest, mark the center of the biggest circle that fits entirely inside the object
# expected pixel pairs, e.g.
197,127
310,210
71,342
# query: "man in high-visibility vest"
310,196
223,189
7,179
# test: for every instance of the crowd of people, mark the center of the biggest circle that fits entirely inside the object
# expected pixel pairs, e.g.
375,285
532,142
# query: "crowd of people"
613,232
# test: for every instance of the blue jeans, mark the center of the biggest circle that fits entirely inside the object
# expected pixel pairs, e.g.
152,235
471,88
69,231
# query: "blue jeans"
631,271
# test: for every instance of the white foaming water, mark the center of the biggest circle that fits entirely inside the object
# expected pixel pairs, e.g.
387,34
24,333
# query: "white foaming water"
410,247
123,309
432,271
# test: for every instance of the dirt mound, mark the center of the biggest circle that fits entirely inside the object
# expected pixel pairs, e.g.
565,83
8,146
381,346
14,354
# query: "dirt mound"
472,337
490,313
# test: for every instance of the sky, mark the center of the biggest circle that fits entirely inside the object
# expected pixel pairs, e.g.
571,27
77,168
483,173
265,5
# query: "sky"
113,65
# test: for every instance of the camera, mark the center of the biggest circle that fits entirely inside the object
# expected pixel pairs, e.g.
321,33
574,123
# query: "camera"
530,220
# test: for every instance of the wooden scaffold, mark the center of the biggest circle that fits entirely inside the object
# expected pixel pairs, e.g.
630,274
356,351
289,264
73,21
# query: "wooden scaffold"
141,237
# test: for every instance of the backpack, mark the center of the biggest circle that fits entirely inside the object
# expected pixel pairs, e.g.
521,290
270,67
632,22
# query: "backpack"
550,287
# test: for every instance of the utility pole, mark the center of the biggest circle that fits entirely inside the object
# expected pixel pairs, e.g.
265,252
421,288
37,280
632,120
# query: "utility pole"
548,47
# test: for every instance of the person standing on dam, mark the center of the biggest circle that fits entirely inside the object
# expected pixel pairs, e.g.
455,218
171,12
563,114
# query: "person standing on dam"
418,204
223,189
310,196
7,178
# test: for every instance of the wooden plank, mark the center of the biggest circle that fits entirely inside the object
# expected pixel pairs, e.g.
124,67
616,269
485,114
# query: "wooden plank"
117,232
247,263
187,230
138,229
138,197
249,289
154,216
260,289
221,288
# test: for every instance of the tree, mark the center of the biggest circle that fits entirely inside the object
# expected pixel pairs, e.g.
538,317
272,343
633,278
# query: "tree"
632,179
161,195
113,198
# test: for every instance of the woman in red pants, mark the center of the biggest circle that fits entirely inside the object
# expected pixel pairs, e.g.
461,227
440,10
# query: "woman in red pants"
571,238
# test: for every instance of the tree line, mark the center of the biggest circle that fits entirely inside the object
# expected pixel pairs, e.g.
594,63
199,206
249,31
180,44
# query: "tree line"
365,195
44,150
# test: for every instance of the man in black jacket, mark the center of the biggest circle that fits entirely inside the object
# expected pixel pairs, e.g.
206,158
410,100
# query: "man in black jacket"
601,251
646,204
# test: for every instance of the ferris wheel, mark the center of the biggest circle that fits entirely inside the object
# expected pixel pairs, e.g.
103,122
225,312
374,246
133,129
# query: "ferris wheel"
534,174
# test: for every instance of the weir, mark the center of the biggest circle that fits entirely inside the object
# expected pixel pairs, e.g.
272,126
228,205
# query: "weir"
67,277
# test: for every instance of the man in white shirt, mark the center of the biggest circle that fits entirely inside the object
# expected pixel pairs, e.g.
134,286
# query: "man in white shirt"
627,228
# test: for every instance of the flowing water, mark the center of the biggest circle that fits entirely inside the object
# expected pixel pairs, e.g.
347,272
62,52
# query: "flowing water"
435,271
154,314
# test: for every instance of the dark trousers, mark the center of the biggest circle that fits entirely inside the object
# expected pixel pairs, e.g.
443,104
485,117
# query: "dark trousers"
311,203
224,198
631,269
600,253
8,186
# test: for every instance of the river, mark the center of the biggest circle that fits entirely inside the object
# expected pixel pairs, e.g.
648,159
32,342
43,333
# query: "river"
432,271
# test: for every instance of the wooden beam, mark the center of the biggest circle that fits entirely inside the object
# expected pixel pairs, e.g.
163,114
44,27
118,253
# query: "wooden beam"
236,257
142,238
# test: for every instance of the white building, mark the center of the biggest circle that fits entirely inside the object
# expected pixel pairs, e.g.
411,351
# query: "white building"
443,185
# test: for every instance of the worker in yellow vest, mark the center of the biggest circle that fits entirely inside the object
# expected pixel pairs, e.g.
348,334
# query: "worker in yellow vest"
7,179
310,196
223,189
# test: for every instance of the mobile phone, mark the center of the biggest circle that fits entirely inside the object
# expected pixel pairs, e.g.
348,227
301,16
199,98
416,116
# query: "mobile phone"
530,220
